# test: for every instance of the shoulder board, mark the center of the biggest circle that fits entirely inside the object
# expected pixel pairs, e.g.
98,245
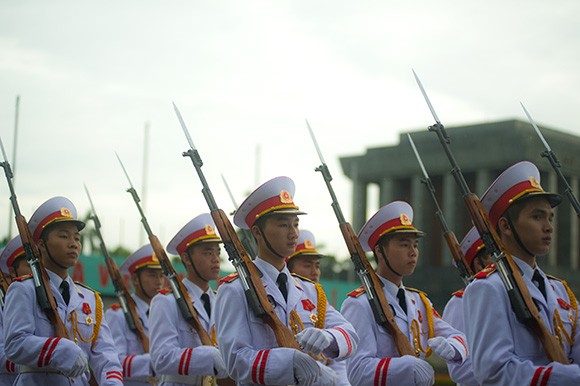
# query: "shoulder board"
302,278
23,277
115,306
459,293
85,286
228,279
165,291
415,290
553,278
484,273
357,292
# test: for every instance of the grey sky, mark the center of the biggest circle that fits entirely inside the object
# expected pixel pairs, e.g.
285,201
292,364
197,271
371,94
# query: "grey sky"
90,74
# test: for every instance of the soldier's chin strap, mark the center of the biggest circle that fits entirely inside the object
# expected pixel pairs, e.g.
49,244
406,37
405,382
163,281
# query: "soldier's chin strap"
516,235
384,254
194,268
50,255
143,289
268,245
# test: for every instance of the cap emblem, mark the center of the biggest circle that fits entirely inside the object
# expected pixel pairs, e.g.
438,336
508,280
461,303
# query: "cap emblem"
405,220
308,244
209,229
535,183
65,212
285,197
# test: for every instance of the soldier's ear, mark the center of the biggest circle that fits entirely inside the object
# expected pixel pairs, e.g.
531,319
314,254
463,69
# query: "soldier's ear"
503,227
256,232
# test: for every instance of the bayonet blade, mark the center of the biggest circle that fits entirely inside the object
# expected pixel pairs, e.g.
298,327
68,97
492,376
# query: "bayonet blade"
183,126
90,199
536,128
125,171
315,143
426,98
418,157
230,192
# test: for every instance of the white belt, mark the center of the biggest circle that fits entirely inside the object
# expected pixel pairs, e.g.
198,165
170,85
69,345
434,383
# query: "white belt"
27,369
188,380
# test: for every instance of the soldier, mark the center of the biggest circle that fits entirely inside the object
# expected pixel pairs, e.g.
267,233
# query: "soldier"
393,239
176,350
145,272
477,257
305,263
247,343
13,264
505,351
30,339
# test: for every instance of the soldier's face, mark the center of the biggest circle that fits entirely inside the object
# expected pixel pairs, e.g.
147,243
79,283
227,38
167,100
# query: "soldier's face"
535,226
64,243
151,281
402,251
282,231
307,266
206,258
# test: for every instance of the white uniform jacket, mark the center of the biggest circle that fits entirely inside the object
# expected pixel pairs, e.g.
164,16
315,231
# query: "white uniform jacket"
137,369
8,369
504,351
174,341
249,346
453,314
31,342
377,362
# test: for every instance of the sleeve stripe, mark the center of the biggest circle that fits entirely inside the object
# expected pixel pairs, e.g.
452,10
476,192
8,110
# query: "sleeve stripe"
187,360
255,366
43,351
50,351
263,367
129,364
125,365
115,375
460,340
348,341
180,369
259,367
536,376
381,372
546,376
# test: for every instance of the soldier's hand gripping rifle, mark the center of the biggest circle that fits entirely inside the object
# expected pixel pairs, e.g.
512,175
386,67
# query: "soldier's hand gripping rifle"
465,271
249,275
125,299
551,156
370,281
518,293
42,288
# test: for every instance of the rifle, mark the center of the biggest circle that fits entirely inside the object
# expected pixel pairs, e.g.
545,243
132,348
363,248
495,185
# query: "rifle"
4,283
182,298
255,293
518,293
125,299
41,280
551,156
465,271
370,281
247,238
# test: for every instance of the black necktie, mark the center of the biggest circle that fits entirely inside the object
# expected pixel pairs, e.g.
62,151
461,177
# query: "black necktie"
65,291
206,304
281,281
402,301
538,280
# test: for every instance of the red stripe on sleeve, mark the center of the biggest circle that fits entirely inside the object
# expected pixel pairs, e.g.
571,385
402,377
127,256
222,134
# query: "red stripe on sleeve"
180,369
460,340
115,375
379,379
125,365
546,376
255,366
43,351
129,364
536,376
348,341
187,360
50,351
263,367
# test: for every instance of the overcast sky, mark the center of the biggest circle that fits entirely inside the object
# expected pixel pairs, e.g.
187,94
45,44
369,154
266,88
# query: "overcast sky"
245,75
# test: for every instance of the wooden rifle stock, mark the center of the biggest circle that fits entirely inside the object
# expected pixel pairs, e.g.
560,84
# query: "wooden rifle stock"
128,303
233,246
4,283
456,254
520,295
387,320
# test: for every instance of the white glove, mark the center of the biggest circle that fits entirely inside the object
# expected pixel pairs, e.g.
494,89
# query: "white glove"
314,340
443,348
328,376
306,369
219,365
423,374
78,368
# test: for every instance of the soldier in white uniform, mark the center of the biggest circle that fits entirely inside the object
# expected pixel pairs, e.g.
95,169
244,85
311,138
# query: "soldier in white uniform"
393,239
144,270
504,351
305,262
248,344
13,264
477,258
176,350
30,338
